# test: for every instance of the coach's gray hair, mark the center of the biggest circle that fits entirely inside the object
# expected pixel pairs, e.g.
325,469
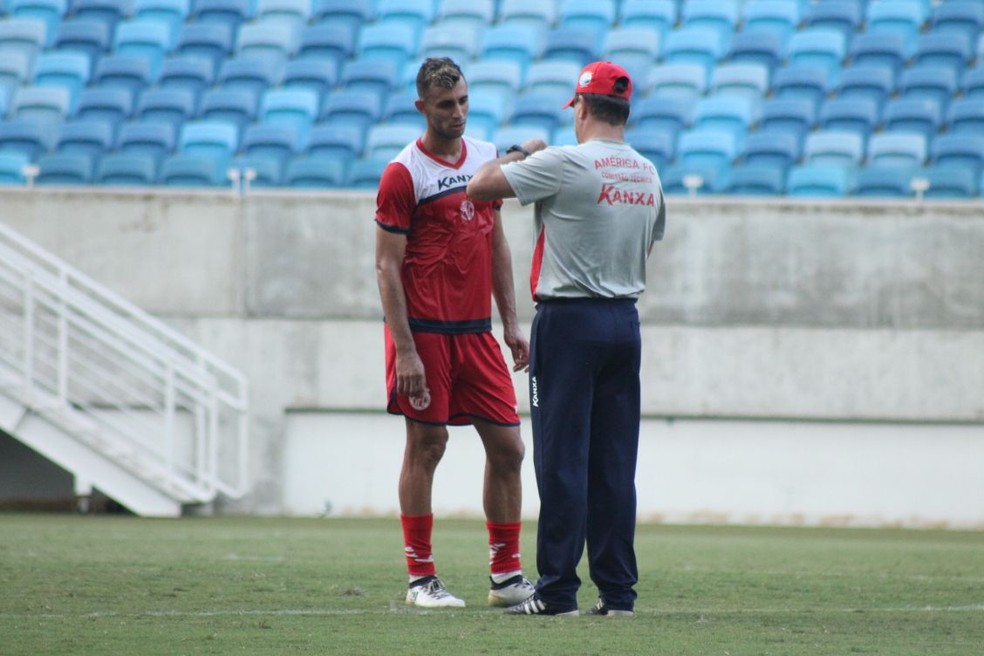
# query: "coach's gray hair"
437,72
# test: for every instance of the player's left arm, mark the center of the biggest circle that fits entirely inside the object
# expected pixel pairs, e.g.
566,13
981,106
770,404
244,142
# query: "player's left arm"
505,297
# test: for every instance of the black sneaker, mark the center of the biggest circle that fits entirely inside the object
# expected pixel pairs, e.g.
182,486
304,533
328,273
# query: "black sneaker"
601,608
536,606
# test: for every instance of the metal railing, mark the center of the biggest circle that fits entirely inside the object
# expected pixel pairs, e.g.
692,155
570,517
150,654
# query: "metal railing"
119,379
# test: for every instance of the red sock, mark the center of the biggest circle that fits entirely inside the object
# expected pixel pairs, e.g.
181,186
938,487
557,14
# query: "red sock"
504,548
417,544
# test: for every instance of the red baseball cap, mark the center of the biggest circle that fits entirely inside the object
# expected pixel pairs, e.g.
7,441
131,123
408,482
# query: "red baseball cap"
599,77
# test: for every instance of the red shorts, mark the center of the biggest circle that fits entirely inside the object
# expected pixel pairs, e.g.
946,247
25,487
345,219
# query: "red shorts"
467,378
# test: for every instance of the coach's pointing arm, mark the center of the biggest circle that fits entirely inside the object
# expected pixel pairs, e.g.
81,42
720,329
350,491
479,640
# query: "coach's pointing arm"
489,183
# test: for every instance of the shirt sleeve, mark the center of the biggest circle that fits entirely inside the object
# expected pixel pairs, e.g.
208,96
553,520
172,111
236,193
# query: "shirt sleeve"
536,177
396,200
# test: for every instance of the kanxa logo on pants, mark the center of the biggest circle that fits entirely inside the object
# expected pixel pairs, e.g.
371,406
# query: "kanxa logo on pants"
534,400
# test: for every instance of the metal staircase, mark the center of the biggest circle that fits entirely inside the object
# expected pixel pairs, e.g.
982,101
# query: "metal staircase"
111,394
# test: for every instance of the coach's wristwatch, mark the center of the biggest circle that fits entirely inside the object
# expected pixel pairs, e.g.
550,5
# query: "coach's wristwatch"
516,148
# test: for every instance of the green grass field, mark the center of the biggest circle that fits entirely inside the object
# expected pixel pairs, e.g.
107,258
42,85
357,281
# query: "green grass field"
107,585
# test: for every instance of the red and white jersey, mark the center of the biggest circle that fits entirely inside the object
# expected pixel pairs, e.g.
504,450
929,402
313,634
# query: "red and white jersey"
447,268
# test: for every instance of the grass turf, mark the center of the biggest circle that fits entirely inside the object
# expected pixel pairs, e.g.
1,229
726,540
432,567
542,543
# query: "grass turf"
121,585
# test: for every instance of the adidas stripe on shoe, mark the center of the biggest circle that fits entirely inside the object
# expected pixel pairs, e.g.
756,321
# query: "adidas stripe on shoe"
601,608
430,593
510,592
536,606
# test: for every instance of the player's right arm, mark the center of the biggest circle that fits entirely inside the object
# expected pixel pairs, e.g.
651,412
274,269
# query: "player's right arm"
390,250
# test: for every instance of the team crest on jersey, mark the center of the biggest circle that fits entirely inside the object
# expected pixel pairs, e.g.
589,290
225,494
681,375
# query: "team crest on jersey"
467,210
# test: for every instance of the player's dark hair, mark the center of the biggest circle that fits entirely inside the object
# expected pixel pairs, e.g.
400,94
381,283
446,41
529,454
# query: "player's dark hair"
611,110
437,72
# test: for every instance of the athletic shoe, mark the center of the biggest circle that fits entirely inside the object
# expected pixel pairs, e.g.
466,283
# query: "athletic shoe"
510,592
536,606
601,608
431,593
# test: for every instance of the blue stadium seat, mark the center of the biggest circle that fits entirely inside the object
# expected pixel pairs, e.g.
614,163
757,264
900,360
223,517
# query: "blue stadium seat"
950,182
174,106
468,14
49,12
656,145
92,137
12,167
26,136
817,46
292,14
897,149
129,72
64,69
866,82
112,105
42,104
844,16
401,108
270,41
387,140
753,179
794,115
820,181
552,76
508,135
659,14
315,172
929,82
378,77
707,151
126,169
501,76
278,142
417,14
15,71
229,13
24,36
266,171
804,81
772,148
597,15
709,179
148,138
349,14
235,106
779,16
961,17
664,113
972,85
719,15
214,139
365,173
951,50
212,41
578,44
695,45
188,73
255,75
858,115
687,80
172,13
459,42
746,79
562,136
487,110
955,150
344,142
521,44
108,12
191,170
390,42
326,41
884,182
756,46
64,169
150,39
731,114
544,109
294,108
913,115
635,48
83,35
316,75
901,18
536,14
834,148
879,49
966,117
355,108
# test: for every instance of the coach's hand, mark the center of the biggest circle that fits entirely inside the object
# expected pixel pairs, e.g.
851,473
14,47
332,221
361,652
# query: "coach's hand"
520,347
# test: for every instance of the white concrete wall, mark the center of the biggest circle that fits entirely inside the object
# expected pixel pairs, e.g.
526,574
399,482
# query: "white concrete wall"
826,314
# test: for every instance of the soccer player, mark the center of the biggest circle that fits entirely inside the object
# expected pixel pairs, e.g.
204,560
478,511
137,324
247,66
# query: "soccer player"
440,258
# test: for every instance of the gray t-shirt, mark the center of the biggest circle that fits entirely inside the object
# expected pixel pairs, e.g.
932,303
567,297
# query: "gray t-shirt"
599,208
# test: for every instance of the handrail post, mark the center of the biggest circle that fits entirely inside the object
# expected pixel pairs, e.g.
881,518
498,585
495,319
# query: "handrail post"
28,338
169,403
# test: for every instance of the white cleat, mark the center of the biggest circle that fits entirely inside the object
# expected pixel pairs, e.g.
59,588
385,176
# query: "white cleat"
510,592
431,593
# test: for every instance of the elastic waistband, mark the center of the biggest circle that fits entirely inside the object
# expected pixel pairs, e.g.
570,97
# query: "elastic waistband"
587,300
